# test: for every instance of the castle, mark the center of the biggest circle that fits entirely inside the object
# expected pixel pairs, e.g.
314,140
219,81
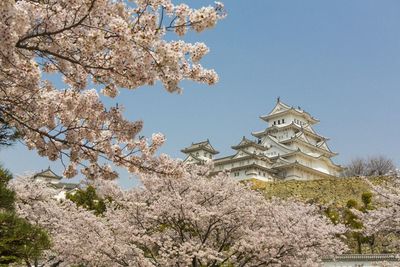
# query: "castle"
288,148
53,180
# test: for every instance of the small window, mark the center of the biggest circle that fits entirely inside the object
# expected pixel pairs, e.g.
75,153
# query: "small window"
279,121
283,120
274,122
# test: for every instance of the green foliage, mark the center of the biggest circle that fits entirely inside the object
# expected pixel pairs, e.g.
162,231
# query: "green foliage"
7,196
351,203
19,240
349,218
354,223
366,199
339,197
333,215
326,191
88,199
8,134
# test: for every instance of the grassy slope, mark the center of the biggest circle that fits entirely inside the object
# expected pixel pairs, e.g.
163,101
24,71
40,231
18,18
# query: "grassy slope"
328,191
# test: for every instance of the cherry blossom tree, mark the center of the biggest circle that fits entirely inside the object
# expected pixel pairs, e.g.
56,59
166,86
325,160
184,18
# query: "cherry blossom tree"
385,220
192,220
93,46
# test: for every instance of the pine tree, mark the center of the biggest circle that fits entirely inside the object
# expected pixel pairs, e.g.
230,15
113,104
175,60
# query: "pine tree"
20,241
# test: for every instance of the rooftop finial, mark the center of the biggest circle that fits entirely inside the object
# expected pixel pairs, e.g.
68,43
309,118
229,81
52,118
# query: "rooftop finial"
278,99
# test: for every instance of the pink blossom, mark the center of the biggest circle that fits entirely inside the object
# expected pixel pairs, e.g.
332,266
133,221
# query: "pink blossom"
110,43
192,220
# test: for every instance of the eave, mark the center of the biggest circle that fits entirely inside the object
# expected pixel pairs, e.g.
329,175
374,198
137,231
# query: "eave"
299,165
204,145
291,125
260,147
231,159
248,166
253,165
321,157
292,110
273,139
190,150
248,143
43,174
323,151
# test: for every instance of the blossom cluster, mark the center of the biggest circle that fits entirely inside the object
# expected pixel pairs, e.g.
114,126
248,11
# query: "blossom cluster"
108,44
385,220
193,220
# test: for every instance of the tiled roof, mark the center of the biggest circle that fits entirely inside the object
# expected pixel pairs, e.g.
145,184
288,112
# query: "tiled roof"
48,173
246,143
204,145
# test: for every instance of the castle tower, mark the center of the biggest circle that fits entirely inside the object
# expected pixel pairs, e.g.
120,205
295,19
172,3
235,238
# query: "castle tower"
299,152
289,148
199,152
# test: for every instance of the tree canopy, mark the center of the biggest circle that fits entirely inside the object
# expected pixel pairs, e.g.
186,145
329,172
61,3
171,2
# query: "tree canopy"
96,46
20,241
193,220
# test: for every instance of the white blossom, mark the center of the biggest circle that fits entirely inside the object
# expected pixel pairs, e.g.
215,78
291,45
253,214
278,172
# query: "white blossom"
112,44
193,220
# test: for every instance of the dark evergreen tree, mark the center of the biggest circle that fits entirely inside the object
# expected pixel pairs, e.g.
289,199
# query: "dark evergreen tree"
20,241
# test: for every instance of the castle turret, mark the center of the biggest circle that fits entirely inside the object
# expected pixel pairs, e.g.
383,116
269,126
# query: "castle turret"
199,152
289,148
291,137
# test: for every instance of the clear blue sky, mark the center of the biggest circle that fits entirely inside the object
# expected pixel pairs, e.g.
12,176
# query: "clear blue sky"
338,60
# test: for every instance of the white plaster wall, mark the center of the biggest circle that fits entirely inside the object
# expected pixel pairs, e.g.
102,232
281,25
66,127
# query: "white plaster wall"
47,180
302,147
291,174
203,154
284,135
289,118
317,164
252,150
274,151
312,139
251,174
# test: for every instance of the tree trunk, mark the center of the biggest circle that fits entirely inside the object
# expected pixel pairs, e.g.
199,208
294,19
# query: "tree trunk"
359,245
